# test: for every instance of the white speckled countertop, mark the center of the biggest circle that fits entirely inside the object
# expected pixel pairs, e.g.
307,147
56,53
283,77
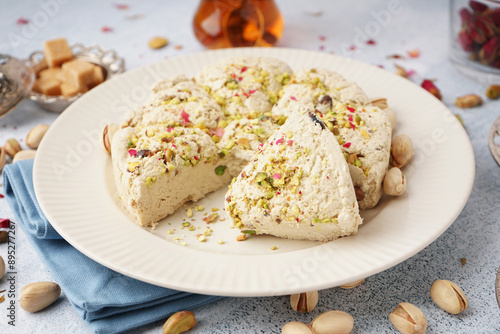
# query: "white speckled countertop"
422,25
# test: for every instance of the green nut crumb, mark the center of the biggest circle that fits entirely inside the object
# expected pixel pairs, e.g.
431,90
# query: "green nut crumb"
219,170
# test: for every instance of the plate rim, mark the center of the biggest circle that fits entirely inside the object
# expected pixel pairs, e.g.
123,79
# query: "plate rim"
221,53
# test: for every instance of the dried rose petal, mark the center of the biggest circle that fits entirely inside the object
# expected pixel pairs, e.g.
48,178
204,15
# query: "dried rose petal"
4,223
185,116
465,41
352,48
371,42
429,86
132,153
347,145
495,16
395,56
351,109
106,29
293,98
481,29
465,15
22,21
276,176
414,53
489,51
289,143
121,6
322,38
2,196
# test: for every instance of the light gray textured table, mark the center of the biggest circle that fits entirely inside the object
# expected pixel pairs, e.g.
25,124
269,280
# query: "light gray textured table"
422,25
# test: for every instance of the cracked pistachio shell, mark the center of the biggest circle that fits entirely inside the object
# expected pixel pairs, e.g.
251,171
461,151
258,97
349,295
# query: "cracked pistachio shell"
401,150
408,319
333,322
448,296
304,302
352,284
296,327
394,182
35,136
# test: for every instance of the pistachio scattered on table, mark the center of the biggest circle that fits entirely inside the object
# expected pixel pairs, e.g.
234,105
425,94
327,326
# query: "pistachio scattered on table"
448,296
408,319
333,322
394,182
352,284
304,302
179,322
35,136
24,155
11,147
35,297
157,42
469,101
493,92
296,327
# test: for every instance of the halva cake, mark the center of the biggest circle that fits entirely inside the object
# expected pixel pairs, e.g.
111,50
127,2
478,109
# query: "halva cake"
297,185
363,130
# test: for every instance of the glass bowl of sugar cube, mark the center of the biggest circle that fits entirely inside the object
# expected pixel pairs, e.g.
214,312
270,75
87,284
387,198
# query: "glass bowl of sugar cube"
66,72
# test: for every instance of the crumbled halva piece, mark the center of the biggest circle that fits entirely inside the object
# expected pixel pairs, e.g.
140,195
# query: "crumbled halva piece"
158,168
297,185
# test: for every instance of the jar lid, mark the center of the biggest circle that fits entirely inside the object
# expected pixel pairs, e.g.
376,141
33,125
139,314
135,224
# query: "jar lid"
16,80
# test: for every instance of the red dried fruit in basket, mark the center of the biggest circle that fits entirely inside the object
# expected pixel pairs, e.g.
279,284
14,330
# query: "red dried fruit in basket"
481,29
495,16
465,41
465,15
489,51
477,6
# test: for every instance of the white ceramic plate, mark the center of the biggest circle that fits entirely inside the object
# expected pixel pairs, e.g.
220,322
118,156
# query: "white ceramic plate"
74,185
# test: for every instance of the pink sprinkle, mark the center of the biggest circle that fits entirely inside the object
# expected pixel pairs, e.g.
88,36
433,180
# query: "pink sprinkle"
173,146
371,42
4,223
233,75
121,6
297,219
289,143
106,29
132,153
293,98
279,141
240,78
261,145
243,69
276,176
351,109
322,38
328,177
22,21
236,94
185,116
347,145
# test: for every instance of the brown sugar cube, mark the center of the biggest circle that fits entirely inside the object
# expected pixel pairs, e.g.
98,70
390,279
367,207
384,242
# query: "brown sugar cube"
68,90
78,73
47,86
53,72
98,76
56,52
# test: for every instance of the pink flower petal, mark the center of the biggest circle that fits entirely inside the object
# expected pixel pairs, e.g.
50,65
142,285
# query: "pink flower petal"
414,53
371,42
289,143
22,21
132,153
121,6
279,141
106,29
293,98
4,223
243,69
351,109
322,38
347,145
276,176
185,116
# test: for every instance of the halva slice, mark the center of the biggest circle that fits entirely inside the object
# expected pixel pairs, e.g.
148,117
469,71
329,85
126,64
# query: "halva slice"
245,86
158,168
364,131
297,186
177,101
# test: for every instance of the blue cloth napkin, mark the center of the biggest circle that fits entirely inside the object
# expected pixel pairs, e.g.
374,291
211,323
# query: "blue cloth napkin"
108,301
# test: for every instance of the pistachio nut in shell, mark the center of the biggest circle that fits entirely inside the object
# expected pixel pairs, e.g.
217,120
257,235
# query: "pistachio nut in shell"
2,267
107,135
11,147
296,327
448,296
352,284
3,158
304,302
401,150
35,136
179,322
333,322
408,319
37,296
24,155
394,182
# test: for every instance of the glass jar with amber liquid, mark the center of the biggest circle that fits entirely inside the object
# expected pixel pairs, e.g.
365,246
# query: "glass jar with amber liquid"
234,23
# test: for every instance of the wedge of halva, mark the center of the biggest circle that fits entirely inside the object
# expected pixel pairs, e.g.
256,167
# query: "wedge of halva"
363,130
177,101
159,168
245,86
297,186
